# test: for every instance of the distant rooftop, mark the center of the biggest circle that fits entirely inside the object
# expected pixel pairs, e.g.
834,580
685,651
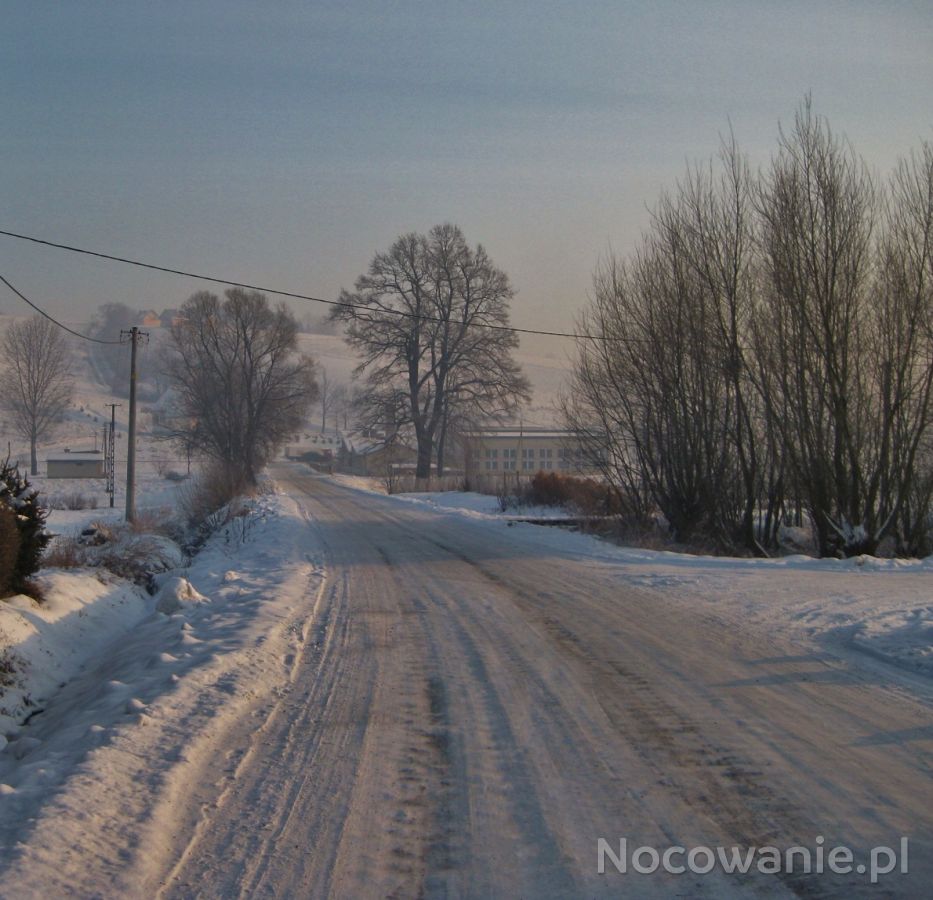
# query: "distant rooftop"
522,431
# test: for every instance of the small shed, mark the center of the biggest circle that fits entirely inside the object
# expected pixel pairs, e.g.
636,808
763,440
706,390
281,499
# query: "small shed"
76,464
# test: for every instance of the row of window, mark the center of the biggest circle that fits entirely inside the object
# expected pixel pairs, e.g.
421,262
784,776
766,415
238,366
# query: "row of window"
528,453
531,459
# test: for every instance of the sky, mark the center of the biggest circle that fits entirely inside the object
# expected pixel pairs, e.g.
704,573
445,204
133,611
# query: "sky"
284,144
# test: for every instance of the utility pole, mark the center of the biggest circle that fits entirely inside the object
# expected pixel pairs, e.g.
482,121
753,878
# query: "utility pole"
133,335
111,452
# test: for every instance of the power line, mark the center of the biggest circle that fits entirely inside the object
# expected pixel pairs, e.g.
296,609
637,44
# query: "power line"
52,319
293,295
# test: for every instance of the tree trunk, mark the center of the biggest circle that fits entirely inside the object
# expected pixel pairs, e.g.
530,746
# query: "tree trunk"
441,441
33,455
423,468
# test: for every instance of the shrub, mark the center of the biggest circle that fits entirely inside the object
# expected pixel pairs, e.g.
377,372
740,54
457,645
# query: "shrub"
585,496
11,665
76,500
18,494
9,548
119,548
136,556
204,500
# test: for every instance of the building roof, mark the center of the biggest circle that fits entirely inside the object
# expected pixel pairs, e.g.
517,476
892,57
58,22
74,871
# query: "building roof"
523,432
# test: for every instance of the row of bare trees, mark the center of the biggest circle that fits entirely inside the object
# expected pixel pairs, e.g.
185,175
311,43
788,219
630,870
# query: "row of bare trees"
240,387
768,350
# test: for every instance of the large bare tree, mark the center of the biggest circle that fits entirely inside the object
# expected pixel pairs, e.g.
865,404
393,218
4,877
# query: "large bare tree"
239,379
904,357
35,381
420,319
845,339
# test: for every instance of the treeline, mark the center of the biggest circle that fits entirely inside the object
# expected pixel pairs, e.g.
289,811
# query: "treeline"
767,352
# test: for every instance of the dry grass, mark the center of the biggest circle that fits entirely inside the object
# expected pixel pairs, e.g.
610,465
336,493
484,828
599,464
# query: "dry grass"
131,551
71,500
204,498
64,553
154,521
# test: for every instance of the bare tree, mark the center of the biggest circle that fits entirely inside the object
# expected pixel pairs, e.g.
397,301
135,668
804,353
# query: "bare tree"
111,362
652,397
323,394
340,402
819,208
332,397
239,379
711,224
420,319
35,383
901,357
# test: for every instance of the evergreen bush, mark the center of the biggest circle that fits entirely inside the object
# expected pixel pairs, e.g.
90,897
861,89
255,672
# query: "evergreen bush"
18,495
9,548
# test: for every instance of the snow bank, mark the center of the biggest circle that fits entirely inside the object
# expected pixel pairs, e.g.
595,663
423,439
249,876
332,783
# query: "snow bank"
152,715
176,594
360,483
465,502
49,643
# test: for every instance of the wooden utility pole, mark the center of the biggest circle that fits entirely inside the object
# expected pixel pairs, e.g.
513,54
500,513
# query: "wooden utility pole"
133,335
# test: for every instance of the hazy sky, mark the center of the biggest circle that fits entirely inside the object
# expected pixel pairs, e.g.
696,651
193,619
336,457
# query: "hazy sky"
284,143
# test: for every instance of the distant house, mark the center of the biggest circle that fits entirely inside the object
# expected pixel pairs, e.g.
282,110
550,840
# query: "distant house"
169,318
368,454
316,446
524,449
76,464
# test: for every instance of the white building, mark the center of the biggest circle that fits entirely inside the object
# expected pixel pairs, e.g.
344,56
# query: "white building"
525,449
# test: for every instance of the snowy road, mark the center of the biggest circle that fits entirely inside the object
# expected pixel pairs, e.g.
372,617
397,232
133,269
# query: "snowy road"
470,713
